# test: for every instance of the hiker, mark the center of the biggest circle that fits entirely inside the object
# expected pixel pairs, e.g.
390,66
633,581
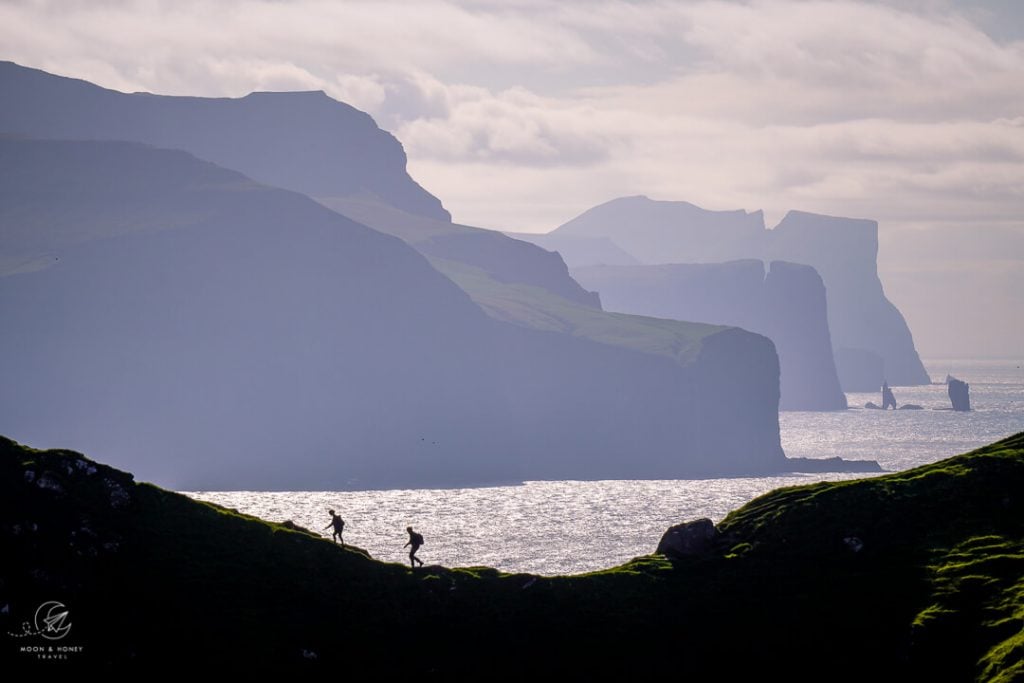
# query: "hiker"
339,525
415,540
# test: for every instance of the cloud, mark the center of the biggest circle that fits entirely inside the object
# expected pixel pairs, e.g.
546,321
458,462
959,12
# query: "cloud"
867,106
522,114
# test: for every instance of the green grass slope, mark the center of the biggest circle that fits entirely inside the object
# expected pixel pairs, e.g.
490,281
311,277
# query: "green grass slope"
536,308
916,575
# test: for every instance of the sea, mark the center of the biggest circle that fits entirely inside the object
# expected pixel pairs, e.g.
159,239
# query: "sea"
571,527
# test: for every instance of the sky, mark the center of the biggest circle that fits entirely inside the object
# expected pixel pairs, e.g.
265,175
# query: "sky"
522,114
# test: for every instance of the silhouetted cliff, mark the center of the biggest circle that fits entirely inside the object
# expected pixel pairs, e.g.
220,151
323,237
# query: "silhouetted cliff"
303,141
252,338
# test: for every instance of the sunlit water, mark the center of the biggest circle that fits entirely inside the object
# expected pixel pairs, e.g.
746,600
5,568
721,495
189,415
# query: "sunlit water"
555,527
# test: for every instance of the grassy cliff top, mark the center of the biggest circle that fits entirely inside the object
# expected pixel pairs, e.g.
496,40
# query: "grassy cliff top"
536,308
915,574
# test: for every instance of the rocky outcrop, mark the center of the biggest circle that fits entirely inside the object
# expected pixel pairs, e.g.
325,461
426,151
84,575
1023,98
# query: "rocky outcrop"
842,250
787,304
302,141
688,539
959,393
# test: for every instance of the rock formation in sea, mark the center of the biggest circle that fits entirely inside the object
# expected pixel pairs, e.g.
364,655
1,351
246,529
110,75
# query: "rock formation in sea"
888,400
959,393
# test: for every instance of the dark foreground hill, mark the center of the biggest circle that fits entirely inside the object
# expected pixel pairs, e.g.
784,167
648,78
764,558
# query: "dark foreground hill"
916,575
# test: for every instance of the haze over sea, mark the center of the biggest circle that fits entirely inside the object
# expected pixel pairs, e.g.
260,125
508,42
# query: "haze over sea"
557,527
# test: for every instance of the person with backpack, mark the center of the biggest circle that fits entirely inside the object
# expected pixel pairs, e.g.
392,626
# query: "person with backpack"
415,540
339,526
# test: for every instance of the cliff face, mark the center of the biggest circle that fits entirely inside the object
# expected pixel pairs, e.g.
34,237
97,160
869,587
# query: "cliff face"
719,409
305,142
842,250
798,580
795,313
210,332
787,305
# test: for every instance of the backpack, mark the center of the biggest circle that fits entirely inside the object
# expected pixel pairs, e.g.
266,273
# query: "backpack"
417,538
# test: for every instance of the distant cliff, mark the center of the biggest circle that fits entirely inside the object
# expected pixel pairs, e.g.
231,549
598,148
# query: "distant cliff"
842,250
302,141
669,232
909,576
845,253
787,305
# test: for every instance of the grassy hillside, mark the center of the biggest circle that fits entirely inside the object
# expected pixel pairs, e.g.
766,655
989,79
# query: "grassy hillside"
537,308
931,587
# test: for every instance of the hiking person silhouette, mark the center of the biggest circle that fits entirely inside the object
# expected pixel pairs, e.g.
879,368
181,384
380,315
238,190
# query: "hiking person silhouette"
415,540
339,525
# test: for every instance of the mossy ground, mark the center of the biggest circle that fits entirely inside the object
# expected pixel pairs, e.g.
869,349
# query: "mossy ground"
933,585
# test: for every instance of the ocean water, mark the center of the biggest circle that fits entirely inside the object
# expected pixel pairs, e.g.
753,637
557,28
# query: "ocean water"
558,527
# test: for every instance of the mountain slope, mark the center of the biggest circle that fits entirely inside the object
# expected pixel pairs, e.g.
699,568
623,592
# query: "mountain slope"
502,258
850,580
302,141
185,301
209,332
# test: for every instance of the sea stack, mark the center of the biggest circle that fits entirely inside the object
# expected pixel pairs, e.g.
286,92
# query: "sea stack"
959,393
888,400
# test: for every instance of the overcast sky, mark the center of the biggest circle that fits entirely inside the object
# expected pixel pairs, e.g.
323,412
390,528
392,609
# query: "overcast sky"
521,114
